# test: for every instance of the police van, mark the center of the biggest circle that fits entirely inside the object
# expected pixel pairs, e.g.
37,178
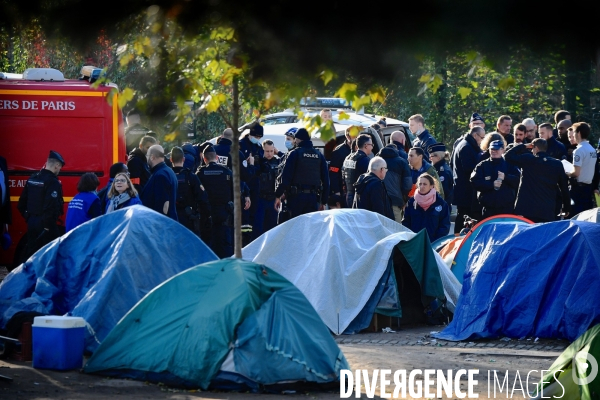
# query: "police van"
278,123
40,111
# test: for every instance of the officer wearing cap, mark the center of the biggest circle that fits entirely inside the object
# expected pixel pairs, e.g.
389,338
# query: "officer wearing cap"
496,182
304,179
41,204
437,155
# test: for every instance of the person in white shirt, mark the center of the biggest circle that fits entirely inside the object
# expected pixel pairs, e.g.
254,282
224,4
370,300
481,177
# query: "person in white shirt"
584,161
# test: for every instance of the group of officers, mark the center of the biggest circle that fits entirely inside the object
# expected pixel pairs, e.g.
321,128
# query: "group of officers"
274,186
503,175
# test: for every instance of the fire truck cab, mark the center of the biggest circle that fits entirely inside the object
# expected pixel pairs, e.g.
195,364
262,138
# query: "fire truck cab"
41,111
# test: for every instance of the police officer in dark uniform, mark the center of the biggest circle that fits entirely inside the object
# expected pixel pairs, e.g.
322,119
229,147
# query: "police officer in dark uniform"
218,183
336,178
304,178
252,150
266,216
542,177
41,204
192,200
137,163
437,155
496,182
223,150
356,164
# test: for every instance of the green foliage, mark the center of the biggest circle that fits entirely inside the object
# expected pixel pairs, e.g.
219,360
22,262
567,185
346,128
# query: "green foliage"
527,86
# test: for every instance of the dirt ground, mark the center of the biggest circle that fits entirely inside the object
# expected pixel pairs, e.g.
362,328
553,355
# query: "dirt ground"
409,348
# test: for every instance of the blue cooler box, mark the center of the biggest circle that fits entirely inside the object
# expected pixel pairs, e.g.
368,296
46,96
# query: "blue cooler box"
58,342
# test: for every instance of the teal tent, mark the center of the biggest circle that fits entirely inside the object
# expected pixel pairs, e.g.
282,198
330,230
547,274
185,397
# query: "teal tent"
228,324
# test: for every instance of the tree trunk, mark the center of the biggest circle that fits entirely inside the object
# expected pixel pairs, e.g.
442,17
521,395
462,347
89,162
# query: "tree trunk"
235,164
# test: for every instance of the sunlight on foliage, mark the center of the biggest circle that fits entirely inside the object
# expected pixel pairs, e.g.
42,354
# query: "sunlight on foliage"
326,76
464,92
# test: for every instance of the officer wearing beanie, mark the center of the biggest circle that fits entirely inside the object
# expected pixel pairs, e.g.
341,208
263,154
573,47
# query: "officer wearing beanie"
253,154
41,204
437,155
304,179
289,142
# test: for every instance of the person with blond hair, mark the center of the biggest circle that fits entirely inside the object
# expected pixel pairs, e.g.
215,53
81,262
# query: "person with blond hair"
122,193
416,123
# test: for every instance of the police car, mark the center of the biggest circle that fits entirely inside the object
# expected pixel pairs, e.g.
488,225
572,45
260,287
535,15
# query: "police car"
278,123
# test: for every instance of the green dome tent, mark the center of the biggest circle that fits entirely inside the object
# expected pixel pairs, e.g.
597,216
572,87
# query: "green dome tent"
573,364
227,324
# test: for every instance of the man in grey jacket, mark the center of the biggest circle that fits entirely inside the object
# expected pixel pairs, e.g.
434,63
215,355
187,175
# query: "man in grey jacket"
398,180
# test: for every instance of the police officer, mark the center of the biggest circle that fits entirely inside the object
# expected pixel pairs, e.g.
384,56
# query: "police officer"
289,142
464,160
304,179
437,154
266,216
356,164
41,204
584,161
137,164
251,148
160,192
339,154
542,177
223,150
496,182
218,182
192,201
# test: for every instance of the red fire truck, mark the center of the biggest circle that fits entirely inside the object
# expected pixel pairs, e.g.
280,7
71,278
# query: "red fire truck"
41,111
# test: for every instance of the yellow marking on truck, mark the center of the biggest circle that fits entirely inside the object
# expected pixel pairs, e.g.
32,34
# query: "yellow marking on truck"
115,110
53,93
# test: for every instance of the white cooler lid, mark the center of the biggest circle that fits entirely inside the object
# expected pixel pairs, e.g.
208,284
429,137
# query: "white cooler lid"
58,321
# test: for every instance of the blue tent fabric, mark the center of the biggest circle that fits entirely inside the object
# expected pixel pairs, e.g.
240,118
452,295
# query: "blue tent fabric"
530,280
102,268
221,324
459,266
